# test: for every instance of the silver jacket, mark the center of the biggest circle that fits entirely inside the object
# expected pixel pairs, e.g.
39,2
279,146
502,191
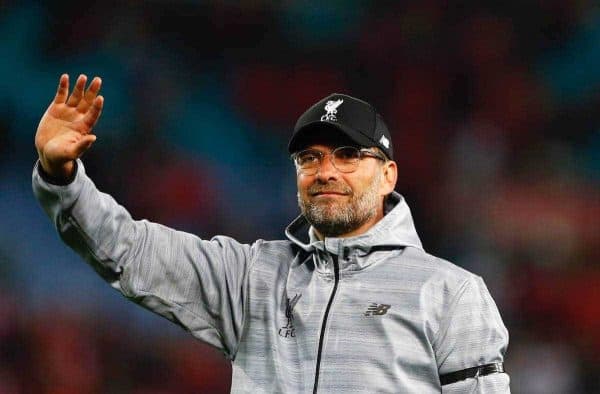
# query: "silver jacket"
371,313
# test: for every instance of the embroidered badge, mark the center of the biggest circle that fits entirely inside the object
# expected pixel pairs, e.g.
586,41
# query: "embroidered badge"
331,108
289,330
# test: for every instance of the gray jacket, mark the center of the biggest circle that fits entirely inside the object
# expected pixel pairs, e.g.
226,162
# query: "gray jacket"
371,313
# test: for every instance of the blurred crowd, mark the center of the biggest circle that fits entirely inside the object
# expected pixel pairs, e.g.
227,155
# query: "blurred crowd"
494,113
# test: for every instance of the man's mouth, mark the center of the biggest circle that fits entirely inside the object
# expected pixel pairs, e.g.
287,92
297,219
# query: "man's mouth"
329,191
328,194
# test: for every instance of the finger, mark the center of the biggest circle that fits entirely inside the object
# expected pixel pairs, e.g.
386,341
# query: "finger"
93,113
90,95
63,89
77,91
84,144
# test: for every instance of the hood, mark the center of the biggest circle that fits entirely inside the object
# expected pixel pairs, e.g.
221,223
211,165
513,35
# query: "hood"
395,230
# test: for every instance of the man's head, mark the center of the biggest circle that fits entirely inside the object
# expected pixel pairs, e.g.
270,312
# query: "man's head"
342,151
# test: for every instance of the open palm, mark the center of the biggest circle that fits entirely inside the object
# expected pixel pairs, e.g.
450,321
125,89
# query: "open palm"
65,130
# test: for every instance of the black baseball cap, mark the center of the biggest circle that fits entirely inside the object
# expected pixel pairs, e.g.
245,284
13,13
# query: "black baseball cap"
354,118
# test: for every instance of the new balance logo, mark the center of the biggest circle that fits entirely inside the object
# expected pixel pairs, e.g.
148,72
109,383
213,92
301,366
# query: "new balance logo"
377,309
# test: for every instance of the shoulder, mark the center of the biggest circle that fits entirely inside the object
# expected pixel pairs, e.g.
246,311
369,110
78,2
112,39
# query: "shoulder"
275,247
435,272
260,246
271,265
274,253
450,291
442,284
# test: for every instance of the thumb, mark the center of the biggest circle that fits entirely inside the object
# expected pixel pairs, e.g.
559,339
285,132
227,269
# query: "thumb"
84,144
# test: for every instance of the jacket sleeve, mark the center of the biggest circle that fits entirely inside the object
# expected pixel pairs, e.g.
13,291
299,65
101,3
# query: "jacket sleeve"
472,334
198,284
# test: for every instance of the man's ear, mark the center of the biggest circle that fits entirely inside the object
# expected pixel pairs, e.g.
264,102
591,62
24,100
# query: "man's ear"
390,176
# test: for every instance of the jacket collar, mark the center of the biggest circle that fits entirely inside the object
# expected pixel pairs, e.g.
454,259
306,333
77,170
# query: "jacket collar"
395,231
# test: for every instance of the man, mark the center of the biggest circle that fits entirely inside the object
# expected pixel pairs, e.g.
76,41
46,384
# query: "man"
350,302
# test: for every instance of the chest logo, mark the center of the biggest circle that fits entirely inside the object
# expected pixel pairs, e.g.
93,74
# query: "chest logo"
289,331
331,108
377,309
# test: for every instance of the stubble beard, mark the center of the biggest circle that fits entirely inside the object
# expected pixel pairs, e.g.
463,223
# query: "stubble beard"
333,218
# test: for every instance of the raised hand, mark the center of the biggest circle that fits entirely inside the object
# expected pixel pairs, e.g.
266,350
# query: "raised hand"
65,130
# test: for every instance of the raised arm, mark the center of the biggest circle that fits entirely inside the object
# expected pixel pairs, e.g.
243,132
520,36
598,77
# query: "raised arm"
196,283
65,130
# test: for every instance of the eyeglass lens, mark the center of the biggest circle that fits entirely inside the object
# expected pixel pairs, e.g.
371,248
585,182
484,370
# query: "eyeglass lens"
344,158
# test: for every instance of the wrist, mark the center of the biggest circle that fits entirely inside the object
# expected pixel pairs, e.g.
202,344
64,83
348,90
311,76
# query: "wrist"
61,174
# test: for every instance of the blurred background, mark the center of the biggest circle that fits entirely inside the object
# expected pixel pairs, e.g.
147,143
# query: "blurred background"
494,112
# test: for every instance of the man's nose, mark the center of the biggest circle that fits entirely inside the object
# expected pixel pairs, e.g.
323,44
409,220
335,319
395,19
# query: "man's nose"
327,170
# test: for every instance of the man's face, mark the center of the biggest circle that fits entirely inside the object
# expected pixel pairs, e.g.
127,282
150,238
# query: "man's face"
338,203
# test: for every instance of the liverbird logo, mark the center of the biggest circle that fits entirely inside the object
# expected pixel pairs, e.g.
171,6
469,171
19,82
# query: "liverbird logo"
331,108
288,330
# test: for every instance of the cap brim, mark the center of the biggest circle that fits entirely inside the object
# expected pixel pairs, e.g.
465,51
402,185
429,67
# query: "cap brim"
319,131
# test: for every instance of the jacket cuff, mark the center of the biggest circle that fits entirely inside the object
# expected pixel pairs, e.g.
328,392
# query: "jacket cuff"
56,181
57,197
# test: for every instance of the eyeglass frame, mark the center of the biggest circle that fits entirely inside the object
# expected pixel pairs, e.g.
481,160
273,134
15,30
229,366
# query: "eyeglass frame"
363,152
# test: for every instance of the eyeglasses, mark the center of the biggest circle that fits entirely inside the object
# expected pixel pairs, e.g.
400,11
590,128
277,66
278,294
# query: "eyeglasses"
344,159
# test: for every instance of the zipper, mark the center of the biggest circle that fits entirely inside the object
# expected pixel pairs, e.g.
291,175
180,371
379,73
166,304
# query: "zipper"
336,275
